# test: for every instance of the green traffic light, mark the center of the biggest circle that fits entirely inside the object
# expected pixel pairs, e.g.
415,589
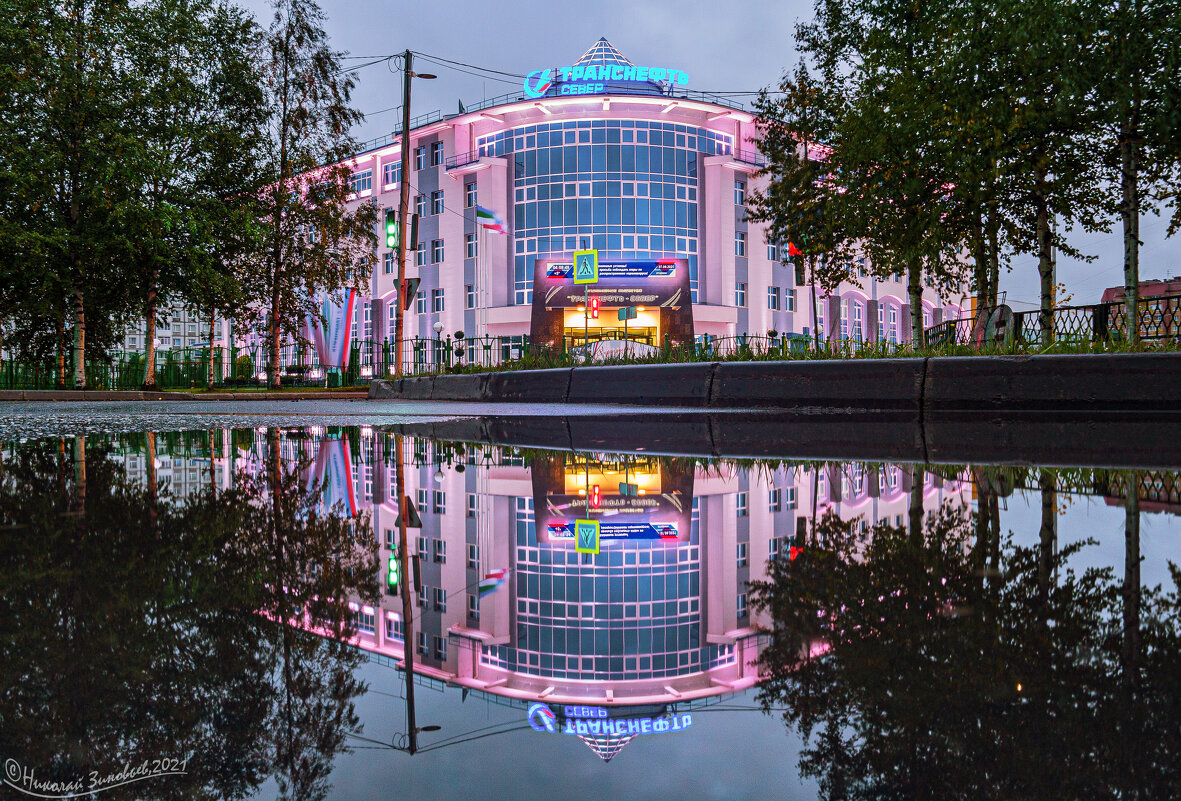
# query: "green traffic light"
395,576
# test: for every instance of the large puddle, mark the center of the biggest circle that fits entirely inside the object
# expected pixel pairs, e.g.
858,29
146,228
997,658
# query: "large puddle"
219,607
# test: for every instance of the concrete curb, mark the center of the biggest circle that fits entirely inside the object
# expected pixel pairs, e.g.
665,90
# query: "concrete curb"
137,395
1087,383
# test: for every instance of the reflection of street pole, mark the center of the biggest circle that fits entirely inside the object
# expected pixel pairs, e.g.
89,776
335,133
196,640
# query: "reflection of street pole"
407,609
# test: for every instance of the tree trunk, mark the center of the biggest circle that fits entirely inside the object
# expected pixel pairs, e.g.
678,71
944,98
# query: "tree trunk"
1131,589
980,257
80,474
1130,212
815,319
915,510
273,372
60,324
150,333
994,259
1045,256
79,341
1048,534
212,328
914,292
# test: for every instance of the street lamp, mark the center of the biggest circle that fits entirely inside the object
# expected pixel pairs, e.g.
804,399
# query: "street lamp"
409,742
404,204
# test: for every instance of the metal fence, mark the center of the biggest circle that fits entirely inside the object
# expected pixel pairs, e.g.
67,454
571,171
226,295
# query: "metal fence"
1158,319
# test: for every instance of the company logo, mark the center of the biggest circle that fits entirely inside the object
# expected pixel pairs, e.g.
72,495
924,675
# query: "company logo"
665,268
559,271
666,530
539,85
542,718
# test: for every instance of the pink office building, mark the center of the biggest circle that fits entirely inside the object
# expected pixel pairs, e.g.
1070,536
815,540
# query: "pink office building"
615,156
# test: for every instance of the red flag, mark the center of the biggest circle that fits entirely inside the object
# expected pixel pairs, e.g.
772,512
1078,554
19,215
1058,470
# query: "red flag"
792,250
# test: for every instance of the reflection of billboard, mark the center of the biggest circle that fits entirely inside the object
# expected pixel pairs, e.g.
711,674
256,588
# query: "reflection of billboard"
333,468
661,285
631,498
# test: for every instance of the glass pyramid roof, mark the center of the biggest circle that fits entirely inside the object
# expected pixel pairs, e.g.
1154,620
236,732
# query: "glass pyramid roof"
603,52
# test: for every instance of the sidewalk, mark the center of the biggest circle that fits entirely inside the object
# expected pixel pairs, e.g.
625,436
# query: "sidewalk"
139,395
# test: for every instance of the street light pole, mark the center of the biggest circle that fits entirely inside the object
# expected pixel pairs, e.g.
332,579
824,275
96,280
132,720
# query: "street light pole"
403,211
407,607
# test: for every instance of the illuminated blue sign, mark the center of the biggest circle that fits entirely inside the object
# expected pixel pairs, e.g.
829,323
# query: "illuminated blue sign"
588,79
623,270
608,530
591,720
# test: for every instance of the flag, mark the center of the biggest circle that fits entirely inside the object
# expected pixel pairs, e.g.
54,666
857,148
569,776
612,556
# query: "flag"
792,250
488,219
492,581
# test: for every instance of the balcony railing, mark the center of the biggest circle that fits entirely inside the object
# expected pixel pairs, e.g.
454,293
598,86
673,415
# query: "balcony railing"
388,139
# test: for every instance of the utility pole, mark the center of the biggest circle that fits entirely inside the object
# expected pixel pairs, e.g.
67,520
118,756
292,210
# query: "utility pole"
403,213
407,608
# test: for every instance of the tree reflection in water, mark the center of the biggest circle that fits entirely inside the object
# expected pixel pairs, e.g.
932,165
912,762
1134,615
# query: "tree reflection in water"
944,661
136,626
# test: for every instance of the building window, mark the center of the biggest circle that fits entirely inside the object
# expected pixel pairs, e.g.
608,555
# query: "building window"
773,298
423,640
469,296
441,648
420,255
470,246
424,596
772,251
469,195
391,539
926,318
789,295
473,606
436,300
893,324
739,243
741,509
393,628
437,202
440,599
791,497
775,500
361,181
739,294
441,551
420,206
861,268
440,506
365,620
436,154
420,157
473,555
881,323
387,263
740,193
436,251
392,173
420,307
858,315
741,605
742,559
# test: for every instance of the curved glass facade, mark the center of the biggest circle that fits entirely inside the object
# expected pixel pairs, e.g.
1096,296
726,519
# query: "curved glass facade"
628,188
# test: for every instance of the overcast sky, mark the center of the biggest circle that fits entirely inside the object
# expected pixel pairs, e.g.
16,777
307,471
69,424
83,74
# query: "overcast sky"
724,46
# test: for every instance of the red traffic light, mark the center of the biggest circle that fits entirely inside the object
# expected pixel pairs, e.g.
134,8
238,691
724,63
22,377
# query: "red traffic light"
596,497
594,308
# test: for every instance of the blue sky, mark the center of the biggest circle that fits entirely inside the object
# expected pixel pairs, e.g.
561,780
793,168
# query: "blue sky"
732,46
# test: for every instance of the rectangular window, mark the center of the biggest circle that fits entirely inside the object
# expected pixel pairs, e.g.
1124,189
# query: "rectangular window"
436,251
437,202
469,195
740,193
388,264
391,539
470,246
392,173
773,298
861,268
742,559
420,158
365,621
441,648
741,605
393,628
739,294
424,596
361,181
473,555
440,599
420,206
422,496
440,506
791,497
436,300
436,154
789,295
473,606
423,640
420,307
772,252
420,255
441,551
739,243
740,505
469,296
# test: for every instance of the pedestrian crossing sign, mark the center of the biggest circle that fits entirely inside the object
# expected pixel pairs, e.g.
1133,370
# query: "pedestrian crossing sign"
586,266
586,536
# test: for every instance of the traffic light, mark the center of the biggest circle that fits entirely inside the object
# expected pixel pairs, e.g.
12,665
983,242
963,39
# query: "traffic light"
594,308
394,581
391,228
596,497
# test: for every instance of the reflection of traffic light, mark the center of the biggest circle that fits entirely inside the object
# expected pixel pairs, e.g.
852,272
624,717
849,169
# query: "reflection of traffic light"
596,497
594,308
394,581
391,228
